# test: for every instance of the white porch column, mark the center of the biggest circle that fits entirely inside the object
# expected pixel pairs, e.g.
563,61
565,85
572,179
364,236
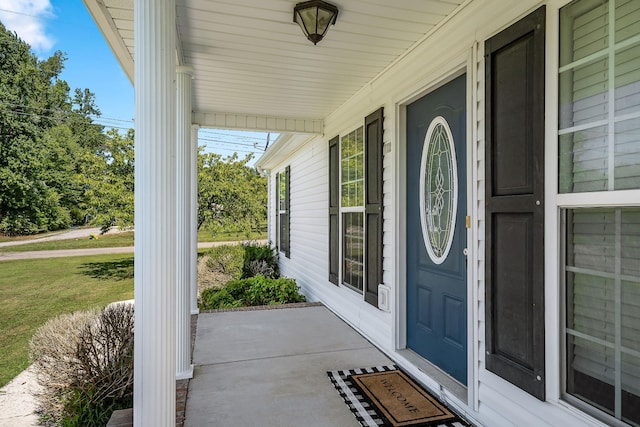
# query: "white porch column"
155,200
194,220
184,369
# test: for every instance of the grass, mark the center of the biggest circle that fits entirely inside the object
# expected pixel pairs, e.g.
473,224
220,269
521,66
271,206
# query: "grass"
208,236
124,239
106,241
4,238
33,291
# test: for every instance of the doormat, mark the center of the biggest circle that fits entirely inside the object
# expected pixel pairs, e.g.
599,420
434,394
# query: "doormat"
363,390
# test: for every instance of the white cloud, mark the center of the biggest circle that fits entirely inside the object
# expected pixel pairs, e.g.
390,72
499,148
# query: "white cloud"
27,19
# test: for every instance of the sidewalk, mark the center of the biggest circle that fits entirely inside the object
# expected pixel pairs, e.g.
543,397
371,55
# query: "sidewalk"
17,401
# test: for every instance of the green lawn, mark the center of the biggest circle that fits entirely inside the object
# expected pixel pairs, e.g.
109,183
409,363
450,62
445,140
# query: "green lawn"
33,291
4,238
106,241
119,240
208,236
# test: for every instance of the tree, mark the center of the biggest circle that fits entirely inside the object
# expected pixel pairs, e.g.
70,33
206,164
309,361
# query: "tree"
232,196
32,99
57,167
108,176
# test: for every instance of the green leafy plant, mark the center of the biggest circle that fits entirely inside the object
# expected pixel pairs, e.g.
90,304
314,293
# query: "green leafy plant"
260,260
267,291
227,259
253,291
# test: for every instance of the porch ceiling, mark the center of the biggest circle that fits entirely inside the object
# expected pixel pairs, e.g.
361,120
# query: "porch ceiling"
251,60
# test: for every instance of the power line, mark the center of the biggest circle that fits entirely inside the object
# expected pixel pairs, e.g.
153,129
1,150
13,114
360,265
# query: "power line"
239,151
101,117
244,140
58,110
243,137
230,149
19,13
221,141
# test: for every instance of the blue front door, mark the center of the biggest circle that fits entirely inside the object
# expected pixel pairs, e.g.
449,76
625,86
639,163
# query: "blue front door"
436,231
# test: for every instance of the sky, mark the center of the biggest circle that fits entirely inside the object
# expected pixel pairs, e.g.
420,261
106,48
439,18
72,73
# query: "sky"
67,26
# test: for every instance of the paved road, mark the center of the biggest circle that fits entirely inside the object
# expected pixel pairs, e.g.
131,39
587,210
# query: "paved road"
76,233
62,253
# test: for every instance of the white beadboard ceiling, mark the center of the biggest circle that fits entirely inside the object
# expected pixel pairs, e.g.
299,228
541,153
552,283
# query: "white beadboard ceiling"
250,59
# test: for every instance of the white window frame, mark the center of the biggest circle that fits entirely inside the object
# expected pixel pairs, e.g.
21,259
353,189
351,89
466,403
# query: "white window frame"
279,209
555,229
351,209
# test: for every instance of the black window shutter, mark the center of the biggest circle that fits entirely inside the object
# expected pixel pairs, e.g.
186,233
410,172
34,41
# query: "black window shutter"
334,208
286,220
373,205
514,271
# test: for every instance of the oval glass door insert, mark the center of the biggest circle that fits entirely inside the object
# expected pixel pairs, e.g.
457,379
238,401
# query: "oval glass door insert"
438,190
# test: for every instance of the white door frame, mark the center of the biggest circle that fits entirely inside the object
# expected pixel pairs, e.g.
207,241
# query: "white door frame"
462,64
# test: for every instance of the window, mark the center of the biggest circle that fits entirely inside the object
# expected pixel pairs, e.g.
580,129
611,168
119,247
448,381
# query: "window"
599,135
438,190
355,208
283,203
599,150
352,208
602,275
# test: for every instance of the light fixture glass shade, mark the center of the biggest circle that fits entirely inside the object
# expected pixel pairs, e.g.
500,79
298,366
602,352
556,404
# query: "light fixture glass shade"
315,17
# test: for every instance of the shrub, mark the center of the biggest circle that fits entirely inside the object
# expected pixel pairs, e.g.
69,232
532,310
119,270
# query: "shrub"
258,290
52,348
223,264
261,267
17,224
267,291
227,259
260,259
84,361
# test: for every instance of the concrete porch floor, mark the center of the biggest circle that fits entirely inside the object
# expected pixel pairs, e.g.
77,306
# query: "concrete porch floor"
268,368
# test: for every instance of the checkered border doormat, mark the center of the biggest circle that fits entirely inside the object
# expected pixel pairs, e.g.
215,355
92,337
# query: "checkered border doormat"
364,412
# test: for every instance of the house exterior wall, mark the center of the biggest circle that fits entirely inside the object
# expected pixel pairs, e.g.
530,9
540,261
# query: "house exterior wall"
454,47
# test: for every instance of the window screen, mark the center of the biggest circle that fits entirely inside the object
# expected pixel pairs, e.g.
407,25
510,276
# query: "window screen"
352,161
599,84
602,272
352,206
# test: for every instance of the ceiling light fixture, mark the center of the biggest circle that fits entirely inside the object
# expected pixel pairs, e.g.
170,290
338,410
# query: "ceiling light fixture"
314,17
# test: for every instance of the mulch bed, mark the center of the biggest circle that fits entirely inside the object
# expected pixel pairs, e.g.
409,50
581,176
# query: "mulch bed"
265,307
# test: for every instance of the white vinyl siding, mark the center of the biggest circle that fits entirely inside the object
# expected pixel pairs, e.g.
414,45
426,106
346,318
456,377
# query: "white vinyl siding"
308,227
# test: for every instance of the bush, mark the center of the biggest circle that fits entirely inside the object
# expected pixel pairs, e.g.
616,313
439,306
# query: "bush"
227,259
223,264
260,260
17,224
84,361
258,290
